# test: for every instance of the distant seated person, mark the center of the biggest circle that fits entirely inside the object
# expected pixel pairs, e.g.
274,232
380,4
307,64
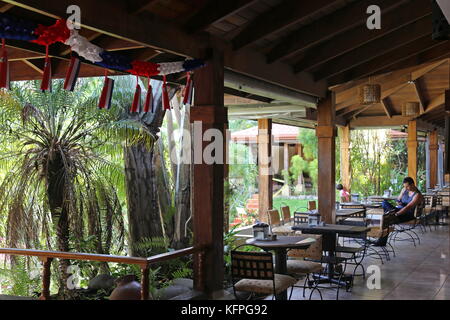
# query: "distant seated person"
407,201
343,193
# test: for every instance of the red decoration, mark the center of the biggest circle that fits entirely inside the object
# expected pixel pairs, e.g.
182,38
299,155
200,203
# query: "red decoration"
46,84
136,105
148,105
52,34
144,69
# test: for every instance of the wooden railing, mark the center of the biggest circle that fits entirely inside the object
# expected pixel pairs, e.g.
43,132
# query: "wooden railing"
47,256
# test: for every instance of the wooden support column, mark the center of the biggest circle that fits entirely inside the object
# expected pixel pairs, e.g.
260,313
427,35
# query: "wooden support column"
412,150
433,150
344,136
447,150
326,134
208,113
265,194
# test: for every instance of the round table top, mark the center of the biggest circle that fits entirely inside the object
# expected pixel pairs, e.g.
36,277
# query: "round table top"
284,242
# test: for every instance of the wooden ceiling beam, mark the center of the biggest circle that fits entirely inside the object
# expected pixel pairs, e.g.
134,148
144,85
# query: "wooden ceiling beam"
387,107
419,92
36,67
381,62
394,40
5,7
379,122
137,6
116,22
439,52
436,102
214,12
347,41
327,27
278,18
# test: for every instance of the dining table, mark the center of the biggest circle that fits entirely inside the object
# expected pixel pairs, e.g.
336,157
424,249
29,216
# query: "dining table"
280,247
330,234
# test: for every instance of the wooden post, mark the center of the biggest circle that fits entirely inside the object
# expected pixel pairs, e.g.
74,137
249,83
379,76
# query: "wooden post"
326,134
145,282
46,273
209,116
265,192
447,150
433,156
344,136
412,150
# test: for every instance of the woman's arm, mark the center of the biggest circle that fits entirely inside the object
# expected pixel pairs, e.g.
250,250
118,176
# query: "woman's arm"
399,198
415,201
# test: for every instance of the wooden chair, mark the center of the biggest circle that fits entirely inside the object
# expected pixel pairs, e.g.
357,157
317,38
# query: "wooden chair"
312,206
274,217
286,211
254,272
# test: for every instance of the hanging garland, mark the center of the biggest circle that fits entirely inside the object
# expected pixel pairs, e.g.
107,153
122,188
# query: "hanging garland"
18,29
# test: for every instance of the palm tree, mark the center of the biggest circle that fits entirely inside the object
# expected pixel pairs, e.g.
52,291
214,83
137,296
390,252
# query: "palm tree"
58,181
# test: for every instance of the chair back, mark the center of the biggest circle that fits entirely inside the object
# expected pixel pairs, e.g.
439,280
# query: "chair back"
286,211
274,217
252,265
314,252
300,218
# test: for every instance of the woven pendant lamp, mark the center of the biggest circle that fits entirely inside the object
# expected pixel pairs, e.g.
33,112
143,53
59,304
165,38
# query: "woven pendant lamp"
410,109
370,93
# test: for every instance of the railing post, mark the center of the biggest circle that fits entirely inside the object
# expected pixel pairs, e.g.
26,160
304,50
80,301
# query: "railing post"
46,262
145,282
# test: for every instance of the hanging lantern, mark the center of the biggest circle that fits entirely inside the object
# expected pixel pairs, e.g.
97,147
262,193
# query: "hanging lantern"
410,109
370,94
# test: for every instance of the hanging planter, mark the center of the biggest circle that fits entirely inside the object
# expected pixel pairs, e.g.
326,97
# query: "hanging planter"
370,94
410,109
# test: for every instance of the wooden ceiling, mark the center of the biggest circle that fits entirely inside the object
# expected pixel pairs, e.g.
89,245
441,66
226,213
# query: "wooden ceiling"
306,46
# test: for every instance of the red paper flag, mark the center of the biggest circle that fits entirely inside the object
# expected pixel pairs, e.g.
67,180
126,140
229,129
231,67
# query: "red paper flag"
105,98
72,74
46,84
136,106
148,105
188,90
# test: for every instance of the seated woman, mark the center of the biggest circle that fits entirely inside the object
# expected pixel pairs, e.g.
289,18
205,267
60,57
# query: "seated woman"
344,194
407,201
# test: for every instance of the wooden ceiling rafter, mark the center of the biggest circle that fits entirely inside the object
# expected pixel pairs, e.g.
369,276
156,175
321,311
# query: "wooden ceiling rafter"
325,28
214,12
379,63
387,106
359,36
278,18
375,48
418,88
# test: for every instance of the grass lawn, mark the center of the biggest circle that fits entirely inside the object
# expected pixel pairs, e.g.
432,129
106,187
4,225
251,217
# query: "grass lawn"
294,204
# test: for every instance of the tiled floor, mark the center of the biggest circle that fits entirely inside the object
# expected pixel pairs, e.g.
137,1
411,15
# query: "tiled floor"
416,273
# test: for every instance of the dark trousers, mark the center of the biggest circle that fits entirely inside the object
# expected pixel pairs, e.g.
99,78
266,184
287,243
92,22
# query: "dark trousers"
387,206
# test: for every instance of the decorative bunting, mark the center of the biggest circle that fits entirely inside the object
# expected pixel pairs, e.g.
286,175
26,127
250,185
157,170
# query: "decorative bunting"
14,28
188,90
105,98
46,84
165,95
72,74
4,68
148,105
136,105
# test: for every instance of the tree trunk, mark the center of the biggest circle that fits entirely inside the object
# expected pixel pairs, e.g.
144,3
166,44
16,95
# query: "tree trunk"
143,212
56,187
